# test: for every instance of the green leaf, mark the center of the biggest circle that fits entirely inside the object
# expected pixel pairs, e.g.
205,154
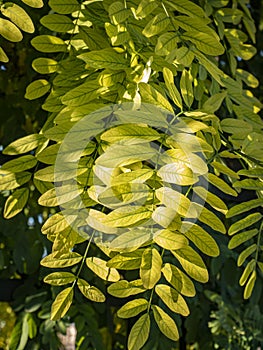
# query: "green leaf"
59,261
3,56
247,271
10,181
118,12
16,202
250,285
211,199
24,144
57,23
139,333
249,184
204,42
150,270
156,25
20,164
229,15
123,288
61,304
172,299
37,89
221,184
214,102
59,195
192,161
126,216
9,31
57,223
172,89
64,6
59,278
45,65
132,239
34,3
209,218
166,217
244,223
105,58
151,95
200,238
100,268
48,44
126,261
166,43
170,240
177,173
32,326
18,16
132,133
132,308
176,200
236,126
146,7
247,77
195,23
186,87
24,334
241,238
187,7
255,172
244,207
245,254
192,263
178,280
90,292
165,323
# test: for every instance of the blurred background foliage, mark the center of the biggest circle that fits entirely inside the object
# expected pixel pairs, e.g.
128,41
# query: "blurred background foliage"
219,319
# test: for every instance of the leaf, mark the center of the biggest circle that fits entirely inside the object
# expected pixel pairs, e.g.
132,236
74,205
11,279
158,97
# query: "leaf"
45,65
90,292
187,7
156,25
20,164
221,184
209,218
250,285
236,126
177,201
255,172
244,207
24,144
245,254
132,133
177,173
244,223
170,240
172,299
16,202
10,181
64,7
241,238
249,184
126,261
37,89
34,3
139,333
59,195
57,23
166,217
9,31
165,323
192,263
18,16
118,12
181,282
150,95
48,44
57,222
145,7
126,216
61,304
150,270
200,238
173,91
247,271
132,239
59,278
204,42
166,43
186,87
132,308
3,56
123,288
214,102
100,268
211,199
105,58
59,261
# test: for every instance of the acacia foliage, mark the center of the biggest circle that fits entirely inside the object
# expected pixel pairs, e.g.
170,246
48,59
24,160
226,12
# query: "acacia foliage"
166,73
